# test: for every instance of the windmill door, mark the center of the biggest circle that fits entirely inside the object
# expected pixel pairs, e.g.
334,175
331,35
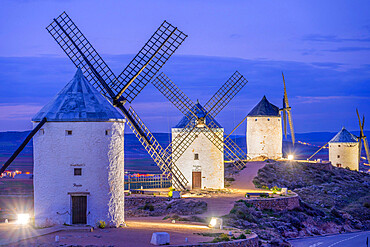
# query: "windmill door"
197,180
79,209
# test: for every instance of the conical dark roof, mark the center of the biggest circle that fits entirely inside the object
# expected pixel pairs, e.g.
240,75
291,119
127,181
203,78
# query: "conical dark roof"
264,108
200,112
78,101
344,136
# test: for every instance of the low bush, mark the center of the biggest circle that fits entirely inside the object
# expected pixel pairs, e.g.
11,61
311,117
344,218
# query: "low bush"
102,224
222,238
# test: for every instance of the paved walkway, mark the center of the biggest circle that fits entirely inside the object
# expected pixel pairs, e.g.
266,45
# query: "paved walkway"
11,233
138,234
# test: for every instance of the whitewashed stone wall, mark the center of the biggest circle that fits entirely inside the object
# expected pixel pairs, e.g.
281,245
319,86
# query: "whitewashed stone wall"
210,163
264,137
101,158
344,154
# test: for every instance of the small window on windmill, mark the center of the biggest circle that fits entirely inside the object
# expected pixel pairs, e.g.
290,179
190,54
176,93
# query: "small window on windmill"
255,119
68,132
196,156
78,171
338,156
107,132
42,131
268,119
338,146
278,119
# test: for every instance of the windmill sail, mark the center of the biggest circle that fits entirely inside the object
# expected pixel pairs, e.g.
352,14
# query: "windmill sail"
163,43
362,138
23,144
202,117
287,109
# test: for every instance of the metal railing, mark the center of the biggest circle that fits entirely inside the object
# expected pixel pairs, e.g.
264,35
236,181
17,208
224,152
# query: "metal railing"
146,181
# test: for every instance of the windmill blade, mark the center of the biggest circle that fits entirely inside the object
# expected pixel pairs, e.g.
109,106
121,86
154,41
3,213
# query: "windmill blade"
291,126
234,153
362,137
231,151
287,109
155,53
285,94
157,153
21,147
360,124
360,149
284,118
366,145
82,53
363,124
175,95
182,141
226,93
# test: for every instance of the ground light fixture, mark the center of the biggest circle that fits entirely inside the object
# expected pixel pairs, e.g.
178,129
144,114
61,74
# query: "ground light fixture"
23,219
216,223
290,157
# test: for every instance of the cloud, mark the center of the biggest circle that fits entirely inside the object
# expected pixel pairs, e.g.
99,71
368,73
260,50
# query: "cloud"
18,112
349,49
328,65
332,38
317,99
236,36
311,87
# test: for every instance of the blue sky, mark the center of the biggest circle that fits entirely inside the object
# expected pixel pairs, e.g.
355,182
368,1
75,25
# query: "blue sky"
323,47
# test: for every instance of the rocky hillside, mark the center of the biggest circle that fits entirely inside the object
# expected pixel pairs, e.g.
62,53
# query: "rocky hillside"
333,200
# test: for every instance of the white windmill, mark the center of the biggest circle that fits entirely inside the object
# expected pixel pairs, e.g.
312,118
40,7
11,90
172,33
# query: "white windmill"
264,128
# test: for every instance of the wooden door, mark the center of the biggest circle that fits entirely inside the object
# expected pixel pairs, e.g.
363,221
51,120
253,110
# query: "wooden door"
79,209
197,180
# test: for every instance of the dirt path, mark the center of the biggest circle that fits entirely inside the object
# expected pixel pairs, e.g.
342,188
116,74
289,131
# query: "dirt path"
222,204
243,181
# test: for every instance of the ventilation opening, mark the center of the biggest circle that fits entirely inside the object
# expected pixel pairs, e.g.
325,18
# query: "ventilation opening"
196,156
42,131
68,132
107,132
338,156
78,171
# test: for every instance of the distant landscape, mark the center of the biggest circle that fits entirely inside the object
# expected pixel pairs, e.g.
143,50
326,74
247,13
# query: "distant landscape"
137,159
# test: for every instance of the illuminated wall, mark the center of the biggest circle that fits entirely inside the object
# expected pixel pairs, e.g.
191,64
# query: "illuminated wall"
210,161
95,147
264,137
344,154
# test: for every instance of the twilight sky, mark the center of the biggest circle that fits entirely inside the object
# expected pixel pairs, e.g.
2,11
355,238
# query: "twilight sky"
323,47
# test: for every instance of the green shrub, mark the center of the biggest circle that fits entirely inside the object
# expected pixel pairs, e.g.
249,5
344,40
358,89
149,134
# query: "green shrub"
102,224
247,231
241,236
276,189
264,195
148,206
222,238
